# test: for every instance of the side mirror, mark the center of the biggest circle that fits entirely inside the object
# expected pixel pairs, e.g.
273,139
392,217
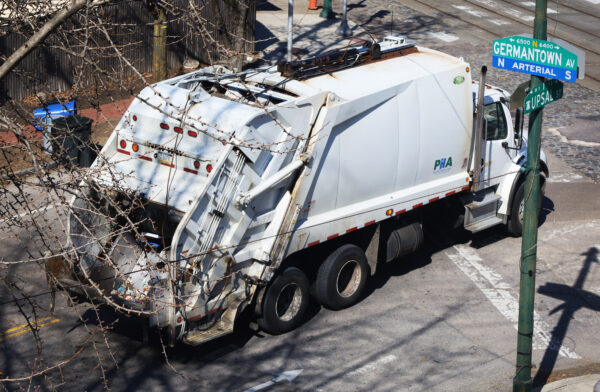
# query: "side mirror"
519,126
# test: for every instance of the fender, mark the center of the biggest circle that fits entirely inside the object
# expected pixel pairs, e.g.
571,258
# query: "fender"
521,159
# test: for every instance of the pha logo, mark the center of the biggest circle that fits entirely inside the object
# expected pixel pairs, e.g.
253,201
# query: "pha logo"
442,164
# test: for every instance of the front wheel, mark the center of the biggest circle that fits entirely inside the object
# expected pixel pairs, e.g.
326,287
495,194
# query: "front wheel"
285,302
517,209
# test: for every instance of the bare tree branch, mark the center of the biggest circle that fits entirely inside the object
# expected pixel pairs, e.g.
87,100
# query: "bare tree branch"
39,36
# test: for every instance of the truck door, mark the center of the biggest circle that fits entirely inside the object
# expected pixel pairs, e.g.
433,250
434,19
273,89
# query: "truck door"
496,159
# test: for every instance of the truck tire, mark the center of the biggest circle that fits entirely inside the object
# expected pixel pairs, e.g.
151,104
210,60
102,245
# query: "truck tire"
515,220
285,302
342,277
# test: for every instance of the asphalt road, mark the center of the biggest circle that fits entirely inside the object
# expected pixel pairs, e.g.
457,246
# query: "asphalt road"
440,320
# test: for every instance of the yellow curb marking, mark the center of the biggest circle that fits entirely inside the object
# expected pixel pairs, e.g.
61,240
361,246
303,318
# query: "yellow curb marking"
24,328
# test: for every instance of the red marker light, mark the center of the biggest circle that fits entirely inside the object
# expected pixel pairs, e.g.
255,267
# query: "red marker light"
135,147
178,130
209,168
123,144
197,164
164,126
134,117
193,133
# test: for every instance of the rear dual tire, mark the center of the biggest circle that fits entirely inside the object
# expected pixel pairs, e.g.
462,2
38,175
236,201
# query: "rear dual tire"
342,277
285,302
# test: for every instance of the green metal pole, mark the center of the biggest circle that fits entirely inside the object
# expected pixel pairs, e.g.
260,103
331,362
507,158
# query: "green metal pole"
327,11
522,381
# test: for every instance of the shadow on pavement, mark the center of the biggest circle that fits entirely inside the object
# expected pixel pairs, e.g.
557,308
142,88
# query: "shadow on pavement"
574,298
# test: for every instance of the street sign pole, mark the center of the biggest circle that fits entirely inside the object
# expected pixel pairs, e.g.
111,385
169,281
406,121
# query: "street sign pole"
522,381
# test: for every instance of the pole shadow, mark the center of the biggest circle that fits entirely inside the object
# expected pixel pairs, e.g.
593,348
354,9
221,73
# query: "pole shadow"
574,298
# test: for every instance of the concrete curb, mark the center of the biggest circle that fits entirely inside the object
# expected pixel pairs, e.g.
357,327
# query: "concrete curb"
28,171
573,384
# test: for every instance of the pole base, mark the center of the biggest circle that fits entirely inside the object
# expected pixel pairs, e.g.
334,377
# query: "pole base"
326,13
343,29
522,385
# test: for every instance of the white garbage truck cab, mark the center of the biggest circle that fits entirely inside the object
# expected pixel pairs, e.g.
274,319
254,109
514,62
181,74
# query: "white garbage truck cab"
220,192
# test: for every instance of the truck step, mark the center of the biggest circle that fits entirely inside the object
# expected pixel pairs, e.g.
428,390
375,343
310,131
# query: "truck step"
481,212
480,225
196,338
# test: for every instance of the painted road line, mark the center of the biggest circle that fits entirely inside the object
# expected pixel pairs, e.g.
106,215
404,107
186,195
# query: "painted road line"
443,36
468,10
288,376
24,325
24,328
564,177
498,22
43,209
518,14
499,293
369,367
590,227
510,11
532,4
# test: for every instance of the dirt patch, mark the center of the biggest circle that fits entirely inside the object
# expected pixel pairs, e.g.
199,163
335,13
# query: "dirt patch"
102,131
17,157
583,370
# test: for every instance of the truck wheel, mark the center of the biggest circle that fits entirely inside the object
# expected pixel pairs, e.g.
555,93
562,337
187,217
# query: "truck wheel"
342,277
285,302
515,220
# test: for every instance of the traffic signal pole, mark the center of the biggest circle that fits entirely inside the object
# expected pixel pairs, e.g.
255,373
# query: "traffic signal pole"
522,381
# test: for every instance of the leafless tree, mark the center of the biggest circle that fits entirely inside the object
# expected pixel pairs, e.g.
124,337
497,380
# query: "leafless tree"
101,69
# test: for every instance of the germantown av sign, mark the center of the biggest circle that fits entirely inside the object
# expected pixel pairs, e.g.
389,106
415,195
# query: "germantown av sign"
535,57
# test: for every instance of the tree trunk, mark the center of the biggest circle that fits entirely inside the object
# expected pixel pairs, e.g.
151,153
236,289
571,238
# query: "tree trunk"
159,59
231,19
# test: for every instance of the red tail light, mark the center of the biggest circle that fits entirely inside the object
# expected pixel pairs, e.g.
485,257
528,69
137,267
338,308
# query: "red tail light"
193,133
178,130
123,144
164,126
209,168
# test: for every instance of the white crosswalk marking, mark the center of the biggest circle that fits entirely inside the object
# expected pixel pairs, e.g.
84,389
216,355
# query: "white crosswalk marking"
443,36
499,293
468,10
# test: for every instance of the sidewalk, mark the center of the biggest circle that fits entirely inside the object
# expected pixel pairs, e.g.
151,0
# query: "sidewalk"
312,35
574,384
109,112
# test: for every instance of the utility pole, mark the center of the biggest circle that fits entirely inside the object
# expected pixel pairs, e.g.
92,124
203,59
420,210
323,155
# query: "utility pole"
290,28
159,54
522,381
344,30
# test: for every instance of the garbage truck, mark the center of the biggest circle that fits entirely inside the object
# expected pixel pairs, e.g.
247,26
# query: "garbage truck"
224,193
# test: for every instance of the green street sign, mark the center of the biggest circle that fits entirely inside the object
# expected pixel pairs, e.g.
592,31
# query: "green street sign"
535,57
542,95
